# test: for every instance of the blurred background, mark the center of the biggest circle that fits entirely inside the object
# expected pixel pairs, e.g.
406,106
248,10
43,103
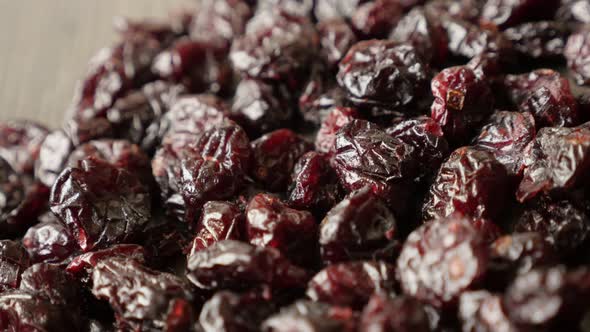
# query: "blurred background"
45,46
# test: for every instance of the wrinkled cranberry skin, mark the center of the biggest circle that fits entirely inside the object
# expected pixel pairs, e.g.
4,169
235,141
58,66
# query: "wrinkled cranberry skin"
141,298
351,284
261,107
383,73
238,265
462,102
336,37
306,315
100,204
470,182
20,142
82,265
14,260
483,311
337,118
356,228
539,40
468,40
53,156
468,10
53,283
574,11
364,155
319,96
577,53
506,13
220,21
314,184
384,314
218,221
275,155
556,161
546,95
441,260
277,46
375,19
49,242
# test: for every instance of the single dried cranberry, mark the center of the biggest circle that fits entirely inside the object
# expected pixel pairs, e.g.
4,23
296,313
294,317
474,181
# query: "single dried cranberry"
53,156
233,264
507,136
314,184
471,182
199,65
546,95
383,314
275,155
49,241
468,40
53,283
352,284
483,311
305,315
539,40
219,221
356,228
81,266
556,161
261,107
375,19
337,118
320,95
383,73
462,102
20,142
142,299
14,260
271,223
577,53
336,37
441,260
574,11
507,13
220,21
100,204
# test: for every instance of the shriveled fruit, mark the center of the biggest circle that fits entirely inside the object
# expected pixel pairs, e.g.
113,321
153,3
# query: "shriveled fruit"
306,315
539,40
337,118
577,53
507,13
20,142
53,157
336,37
484,311
49,241
468,40
14,260
374,19
81,266
383,313
219,221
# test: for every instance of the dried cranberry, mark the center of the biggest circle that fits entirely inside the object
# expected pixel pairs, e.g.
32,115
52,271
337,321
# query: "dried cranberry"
383,73
232,264
330,9
100,204
394,314
53,283
483,311
351,284
471,182
220,21
275,155
574,11
164,239
219,221
441,260
14,260
82,265
507,13
468,40
337,118
336,37
305,315
577,53
49,242
546,95
141,298
320,95
488,66
539,40
375,19
556,161
53,156
468,10
20,143
357,227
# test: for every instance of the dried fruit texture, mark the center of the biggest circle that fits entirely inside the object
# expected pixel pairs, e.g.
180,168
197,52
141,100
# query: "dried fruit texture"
306,315
336,37
375,19
14,260
468,10
441,260
136,116
100,204
275,155
53,283
81,266
561,223
319,96
217,169
557,161
238,265
49,241
53,156
485,312
356,228
227,311
337,118
220,21
277,46
200,65
352,284
20,142
546,95
365,155
423,30
547,298
426,136
462,102
260,107
141,298
488,66
383,73
507,136
574,11
164,239
314,184
508,13
470,182
330,9
577,53
469,40
219,221
539,40
394,314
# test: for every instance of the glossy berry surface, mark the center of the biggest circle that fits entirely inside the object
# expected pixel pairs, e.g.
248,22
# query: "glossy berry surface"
506,13
337,118
305,314
383,313
219,221
53,157
577,52
336,37
14,261
20,143
539,40
49,241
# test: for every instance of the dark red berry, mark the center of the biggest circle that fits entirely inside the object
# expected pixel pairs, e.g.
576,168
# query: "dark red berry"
336,37
337,118
574,11
306,315
319,96
507,13
468,10
20,142
539,40
53,157
577,53
219,221
468,40
220,21
375,19
385,314
483,311
53,283
14,260
81,266
49,241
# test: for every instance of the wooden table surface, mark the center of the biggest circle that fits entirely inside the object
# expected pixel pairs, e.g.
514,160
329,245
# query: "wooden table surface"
45,46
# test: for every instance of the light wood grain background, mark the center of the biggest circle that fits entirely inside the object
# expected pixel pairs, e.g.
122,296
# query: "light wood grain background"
45,46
